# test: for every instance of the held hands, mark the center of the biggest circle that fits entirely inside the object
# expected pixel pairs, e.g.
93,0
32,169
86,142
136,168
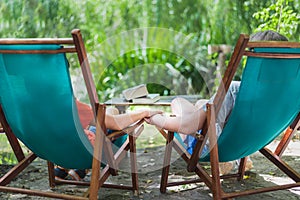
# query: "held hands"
150,113
148,120
161,120
153,115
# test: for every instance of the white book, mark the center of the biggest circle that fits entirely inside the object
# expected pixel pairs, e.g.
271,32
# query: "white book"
150,98
135,92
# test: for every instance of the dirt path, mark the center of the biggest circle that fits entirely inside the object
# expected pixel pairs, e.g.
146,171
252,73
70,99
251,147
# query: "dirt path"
149,165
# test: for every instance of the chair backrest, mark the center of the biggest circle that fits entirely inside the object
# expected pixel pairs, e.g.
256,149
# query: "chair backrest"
37,99
267,103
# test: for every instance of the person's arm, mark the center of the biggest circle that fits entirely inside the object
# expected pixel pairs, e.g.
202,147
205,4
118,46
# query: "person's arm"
187,124
186,118
119,122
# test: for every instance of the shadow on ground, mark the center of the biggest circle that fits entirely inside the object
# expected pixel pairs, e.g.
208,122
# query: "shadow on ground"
149,165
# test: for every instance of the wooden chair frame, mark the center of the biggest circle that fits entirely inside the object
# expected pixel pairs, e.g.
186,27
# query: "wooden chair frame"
102,141
213,179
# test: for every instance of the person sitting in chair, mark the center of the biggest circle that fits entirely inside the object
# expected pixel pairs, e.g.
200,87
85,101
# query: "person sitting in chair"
188,119
113,122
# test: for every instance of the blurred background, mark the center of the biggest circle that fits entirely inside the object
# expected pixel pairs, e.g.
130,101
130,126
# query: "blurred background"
162,43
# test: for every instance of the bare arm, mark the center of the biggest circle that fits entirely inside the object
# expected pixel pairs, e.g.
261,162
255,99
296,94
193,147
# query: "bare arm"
121,121
186,124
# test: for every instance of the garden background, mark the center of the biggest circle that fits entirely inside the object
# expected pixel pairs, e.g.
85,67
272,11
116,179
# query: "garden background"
163,43
117,33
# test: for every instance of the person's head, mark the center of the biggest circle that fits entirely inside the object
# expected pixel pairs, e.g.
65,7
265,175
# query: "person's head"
267,36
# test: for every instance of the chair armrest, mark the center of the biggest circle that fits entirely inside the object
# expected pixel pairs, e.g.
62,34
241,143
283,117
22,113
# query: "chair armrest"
127,130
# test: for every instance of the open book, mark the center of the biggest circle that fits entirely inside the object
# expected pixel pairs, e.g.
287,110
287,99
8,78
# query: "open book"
135,92
140,95
150,98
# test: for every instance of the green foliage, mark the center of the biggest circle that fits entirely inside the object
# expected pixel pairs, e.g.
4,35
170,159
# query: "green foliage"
164,72
7,157
162,43
37,18
280,17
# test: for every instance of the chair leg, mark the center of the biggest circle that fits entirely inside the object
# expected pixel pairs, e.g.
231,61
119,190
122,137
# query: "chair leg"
51,174
133,163
241,170
166,163
14,143
214,156
288,135
133,159
97,156
95,179
216,182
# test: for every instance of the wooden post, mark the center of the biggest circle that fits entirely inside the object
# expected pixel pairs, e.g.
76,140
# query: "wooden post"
98,148
214,155
222,51
167,160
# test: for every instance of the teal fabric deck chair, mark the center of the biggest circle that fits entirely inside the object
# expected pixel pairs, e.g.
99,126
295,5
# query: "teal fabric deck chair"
267,104
37,106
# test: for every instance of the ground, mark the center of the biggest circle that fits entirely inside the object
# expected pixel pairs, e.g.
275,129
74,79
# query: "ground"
149,166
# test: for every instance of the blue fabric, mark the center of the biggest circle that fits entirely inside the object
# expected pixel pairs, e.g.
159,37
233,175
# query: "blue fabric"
267,102
37,98
190,142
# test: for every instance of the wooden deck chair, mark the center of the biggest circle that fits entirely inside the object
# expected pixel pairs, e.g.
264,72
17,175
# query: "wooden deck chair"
37,105
266,105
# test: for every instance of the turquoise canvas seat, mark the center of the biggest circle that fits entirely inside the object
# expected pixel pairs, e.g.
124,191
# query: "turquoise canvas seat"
38,102
267,104
37,106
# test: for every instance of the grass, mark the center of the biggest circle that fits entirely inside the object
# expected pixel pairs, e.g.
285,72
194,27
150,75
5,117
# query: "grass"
6,154
150,138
